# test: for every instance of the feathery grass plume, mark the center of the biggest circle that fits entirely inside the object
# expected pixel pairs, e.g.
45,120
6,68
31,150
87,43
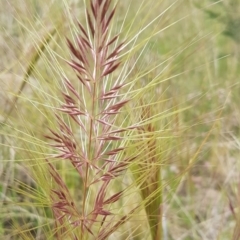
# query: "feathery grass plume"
94,110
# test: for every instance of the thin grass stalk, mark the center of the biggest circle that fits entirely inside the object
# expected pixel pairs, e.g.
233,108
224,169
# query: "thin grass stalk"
30,68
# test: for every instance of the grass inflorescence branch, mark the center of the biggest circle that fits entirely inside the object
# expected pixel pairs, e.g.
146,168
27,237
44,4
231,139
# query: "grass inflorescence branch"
94,110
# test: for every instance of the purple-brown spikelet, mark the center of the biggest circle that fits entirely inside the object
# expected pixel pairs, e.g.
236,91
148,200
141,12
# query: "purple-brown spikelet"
94,58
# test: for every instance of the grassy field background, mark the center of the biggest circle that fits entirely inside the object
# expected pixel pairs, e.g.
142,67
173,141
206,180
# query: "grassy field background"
195,48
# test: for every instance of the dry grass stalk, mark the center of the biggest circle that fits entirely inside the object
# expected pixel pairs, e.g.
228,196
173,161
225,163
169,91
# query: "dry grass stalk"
151,186
236,215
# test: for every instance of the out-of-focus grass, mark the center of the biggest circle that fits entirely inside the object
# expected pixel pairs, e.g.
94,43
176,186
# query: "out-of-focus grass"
200,73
